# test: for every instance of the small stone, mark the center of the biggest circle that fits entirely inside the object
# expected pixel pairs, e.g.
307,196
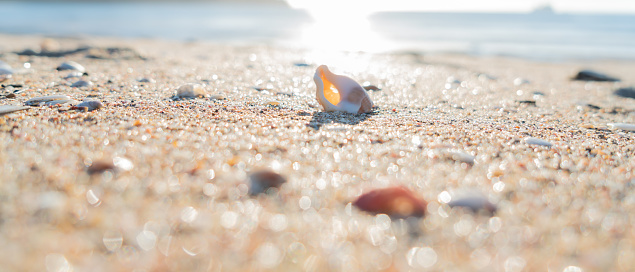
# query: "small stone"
91,105
81,84
60,102
461,156
536,141
625,92
74,74
218,97
190,90
5,69
622,126
475,203
272,103
371,88
71,65
394,201
37,101
588,75
147,80
6,109
261,181
520,81
116,164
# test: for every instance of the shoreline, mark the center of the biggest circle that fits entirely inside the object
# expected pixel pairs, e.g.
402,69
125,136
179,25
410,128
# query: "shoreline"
150,182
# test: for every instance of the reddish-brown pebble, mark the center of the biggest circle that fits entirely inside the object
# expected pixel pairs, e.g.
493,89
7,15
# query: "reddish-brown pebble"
393,201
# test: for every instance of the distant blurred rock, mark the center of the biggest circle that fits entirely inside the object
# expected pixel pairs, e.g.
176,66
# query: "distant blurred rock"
588,75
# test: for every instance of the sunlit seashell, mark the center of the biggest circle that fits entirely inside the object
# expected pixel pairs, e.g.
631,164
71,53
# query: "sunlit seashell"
340,93
393,201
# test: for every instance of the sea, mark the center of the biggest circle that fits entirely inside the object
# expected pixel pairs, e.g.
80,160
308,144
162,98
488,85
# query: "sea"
542,35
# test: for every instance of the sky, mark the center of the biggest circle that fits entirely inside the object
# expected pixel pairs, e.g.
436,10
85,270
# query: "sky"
365,6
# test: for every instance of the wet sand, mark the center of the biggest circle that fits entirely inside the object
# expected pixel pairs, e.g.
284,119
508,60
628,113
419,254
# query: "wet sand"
153,183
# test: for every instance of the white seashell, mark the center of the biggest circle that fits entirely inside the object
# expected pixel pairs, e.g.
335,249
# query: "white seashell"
6,109
622,126
71,65
82,83
190,90
340,93
90,105
536,141
36,101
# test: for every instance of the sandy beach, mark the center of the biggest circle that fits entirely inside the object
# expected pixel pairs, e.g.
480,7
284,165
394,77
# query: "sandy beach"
152,182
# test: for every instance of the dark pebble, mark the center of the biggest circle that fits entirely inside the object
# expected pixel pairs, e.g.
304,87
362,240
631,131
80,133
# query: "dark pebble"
588,75
625,92
262,181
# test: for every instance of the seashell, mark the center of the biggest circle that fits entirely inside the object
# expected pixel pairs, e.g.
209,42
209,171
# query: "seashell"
82,83
36,101
340,93
474,203
71,65
91,105
6,109
190,90
622,126
393,201
261,181
536,141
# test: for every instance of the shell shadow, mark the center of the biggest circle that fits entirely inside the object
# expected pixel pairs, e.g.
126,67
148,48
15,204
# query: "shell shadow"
321,118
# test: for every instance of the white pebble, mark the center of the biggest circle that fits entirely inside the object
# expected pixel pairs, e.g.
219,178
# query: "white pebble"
536,141
190,90
82,83
6,109
71,65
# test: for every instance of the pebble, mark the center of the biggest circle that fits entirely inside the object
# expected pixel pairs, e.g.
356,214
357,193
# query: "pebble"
90,105
520,81
622,126
588,75
394,201
81,84
461,156
272,103
6,109
218,97
626,92
190,90
372,88
37,101
262,181
71,65
116,164
147,80
61,101
536,141
475,203
74,75
5,69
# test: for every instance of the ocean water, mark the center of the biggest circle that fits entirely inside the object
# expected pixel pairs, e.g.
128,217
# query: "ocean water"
544,36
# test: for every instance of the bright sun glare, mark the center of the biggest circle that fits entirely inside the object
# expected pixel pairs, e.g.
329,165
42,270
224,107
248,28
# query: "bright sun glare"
339,26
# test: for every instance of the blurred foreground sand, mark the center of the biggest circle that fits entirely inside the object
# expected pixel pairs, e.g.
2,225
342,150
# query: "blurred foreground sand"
183,204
